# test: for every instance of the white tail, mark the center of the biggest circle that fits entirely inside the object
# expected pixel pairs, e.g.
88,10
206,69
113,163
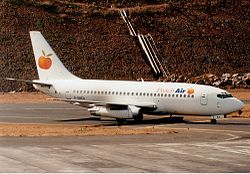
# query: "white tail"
48,65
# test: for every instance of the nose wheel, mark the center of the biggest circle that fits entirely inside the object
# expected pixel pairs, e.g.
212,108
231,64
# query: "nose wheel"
214,117
213,121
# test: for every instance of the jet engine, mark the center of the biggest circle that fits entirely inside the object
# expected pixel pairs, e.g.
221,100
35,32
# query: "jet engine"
119,112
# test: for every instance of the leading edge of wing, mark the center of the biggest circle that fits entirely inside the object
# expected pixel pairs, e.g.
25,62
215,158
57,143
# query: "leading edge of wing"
91,103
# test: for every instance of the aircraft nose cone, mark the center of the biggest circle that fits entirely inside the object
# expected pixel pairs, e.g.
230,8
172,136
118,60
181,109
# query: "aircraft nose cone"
233,105
240,104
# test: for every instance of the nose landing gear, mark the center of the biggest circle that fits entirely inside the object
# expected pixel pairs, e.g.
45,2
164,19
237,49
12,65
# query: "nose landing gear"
214,117
240,112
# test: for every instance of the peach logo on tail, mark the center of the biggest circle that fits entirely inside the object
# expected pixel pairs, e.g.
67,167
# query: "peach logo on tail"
45,61
190,91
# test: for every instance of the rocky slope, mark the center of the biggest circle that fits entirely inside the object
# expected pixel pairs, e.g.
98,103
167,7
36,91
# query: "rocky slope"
194,37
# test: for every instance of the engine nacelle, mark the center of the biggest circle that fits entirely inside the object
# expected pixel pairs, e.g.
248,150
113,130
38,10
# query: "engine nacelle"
116,112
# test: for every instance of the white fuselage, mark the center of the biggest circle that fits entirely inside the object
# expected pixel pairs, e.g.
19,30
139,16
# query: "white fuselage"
169,98
125,99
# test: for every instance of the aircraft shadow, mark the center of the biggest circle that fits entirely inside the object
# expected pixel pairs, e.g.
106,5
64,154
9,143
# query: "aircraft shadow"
111,122
78,119
218,123
103,122
154,121
165,120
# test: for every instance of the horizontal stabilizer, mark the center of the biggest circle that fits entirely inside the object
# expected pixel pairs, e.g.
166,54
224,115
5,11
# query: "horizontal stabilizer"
28,81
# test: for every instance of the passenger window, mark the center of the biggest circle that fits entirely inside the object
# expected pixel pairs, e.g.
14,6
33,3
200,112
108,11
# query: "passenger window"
172,95
155,94
136,93
116,93
169,95
132,93
127,93
161,95
176,95
151,94
143,94
192,96
180,95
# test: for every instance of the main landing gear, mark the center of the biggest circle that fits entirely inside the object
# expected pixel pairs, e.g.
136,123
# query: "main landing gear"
139,117
213,121
120,120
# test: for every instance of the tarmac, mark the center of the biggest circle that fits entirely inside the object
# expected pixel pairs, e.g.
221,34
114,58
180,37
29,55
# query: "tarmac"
197,146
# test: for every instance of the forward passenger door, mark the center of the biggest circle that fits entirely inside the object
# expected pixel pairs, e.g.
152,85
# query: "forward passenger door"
203,99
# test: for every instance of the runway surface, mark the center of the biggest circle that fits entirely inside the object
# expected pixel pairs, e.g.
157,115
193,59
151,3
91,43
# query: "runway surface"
57,113
197,146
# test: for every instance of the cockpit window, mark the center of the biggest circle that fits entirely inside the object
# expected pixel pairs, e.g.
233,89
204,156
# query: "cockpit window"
224,95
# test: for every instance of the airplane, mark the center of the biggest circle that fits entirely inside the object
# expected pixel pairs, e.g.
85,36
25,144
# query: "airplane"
126,99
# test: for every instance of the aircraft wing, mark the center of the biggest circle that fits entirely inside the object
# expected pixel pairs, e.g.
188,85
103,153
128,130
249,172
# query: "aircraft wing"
36,82
92,103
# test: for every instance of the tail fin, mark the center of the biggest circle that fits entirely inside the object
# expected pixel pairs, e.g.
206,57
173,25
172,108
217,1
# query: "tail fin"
48,65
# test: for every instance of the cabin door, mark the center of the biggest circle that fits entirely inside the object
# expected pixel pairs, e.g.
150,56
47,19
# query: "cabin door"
68,95
203,99
218,105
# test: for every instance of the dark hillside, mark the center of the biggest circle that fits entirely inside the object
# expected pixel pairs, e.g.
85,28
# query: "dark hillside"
194,37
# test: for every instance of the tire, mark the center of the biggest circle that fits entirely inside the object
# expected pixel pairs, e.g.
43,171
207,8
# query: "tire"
213,121
138,118
120,120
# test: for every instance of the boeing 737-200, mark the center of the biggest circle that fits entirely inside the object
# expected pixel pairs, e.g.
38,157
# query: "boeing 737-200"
126,99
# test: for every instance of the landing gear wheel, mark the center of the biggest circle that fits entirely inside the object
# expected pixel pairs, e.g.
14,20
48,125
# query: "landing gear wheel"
120,120
213,121
180,119
138,118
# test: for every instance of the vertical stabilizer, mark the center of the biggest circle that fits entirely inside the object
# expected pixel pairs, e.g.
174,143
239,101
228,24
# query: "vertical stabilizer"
48,65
